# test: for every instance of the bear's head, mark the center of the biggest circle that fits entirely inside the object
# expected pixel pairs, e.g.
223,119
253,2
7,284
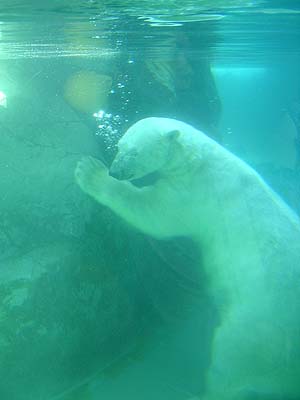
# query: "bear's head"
145,148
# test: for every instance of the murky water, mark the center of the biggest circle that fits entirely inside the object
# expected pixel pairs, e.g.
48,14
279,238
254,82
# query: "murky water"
92,304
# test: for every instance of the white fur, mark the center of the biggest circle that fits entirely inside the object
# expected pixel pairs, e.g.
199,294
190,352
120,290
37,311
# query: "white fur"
249,240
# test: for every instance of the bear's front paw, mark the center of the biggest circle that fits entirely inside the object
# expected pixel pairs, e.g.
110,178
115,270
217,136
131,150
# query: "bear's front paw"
90,174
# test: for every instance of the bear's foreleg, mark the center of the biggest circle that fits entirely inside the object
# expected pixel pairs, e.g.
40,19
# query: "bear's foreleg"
129,202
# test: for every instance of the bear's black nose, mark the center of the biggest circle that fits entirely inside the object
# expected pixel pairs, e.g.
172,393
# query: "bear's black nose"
118,171
120,174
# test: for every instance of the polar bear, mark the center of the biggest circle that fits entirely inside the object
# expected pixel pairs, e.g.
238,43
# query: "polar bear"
249,240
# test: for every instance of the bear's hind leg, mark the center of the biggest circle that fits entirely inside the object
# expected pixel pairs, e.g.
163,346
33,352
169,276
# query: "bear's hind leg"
248,362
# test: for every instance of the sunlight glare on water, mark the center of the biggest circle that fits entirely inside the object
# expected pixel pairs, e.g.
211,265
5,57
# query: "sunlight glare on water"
94,28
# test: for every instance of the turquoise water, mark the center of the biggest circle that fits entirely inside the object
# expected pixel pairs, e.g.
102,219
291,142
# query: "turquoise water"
91,307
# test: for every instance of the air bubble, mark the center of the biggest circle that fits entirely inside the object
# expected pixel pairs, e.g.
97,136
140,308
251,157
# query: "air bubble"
109,128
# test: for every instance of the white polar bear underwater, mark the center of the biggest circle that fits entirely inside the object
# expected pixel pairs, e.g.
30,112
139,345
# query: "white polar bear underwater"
249,240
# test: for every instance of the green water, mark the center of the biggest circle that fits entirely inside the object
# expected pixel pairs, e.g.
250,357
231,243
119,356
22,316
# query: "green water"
90,307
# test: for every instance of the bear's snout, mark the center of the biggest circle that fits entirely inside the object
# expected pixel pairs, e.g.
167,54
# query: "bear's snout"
118,172
123,166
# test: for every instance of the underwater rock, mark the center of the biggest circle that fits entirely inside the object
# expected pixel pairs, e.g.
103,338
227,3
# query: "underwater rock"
61,319
60,305
73,290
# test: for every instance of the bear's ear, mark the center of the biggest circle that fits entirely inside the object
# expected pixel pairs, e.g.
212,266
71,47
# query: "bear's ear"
173,135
